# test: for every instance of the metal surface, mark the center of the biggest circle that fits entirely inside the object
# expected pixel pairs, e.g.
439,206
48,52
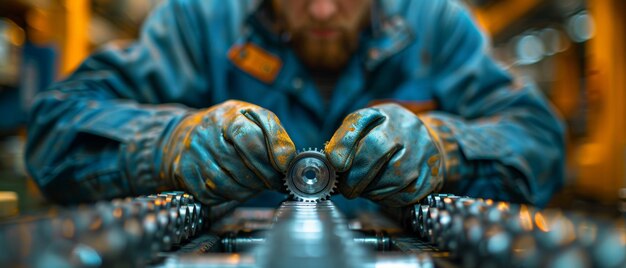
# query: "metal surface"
307,235
310,177
170,230
484,233
245,240
121,233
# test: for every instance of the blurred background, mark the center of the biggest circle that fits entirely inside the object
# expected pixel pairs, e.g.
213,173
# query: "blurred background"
574,49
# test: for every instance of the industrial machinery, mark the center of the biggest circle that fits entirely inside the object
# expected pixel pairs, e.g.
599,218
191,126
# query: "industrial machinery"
171,229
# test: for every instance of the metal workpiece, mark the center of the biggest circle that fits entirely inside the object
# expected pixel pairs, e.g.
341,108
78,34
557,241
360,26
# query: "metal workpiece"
317,235
374,239
166,230
393,260
216,260
310,235
245,240
126,232
242,241
249,260
310,176
305,234
485,233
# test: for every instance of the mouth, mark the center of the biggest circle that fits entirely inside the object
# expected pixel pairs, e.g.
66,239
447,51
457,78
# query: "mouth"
324,33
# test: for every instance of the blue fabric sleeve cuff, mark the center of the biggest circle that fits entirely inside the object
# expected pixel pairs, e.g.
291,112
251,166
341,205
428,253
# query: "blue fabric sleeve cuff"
142,153
455,166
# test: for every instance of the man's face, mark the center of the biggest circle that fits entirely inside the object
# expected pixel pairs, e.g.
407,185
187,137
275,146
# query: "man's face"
324,32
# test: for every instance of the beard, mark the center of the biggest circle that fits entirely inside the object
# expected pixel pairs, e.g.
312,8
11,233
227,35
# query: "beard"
324,54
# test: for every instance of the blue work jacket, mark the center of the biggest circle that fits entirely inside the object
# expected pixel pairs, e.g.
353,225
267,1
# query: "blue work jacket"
97,134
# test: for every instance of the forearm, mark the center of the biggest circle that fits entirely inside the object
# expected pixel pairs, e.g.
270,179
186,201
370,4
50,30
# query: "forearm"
514,153
95,135
84,147
499,135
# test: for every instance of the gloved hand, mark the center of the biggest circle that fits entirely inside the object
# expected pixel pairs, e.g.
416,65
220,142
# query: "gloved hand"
230,151
385,153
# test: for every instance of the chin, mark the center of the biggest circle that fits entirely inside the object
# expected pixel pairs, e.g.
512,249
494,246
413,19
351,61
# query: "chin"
325,57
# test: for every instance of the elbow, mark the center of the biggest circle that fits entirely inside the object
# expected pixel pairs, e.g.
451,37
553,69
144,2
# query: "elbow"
53,180
55,189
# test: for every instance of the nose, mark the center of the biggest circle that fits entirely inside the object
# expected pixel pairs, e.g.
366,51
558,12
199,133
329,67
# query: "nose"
322,9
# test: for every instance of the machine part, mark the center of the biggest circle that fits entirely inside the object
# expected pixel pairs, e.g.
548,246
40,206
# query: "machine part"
305,235
244,240
156,230
233,260
310,176
376,240
317,235
129,232
484,233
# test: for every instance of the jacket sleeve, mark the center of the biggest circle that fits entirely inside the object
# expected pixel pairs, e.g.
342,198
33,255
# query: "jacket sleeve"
500,137
96,135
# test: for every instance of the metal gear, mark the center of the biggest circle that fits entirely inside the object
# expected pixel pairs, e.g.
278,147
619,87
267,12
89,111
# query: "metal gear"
310,176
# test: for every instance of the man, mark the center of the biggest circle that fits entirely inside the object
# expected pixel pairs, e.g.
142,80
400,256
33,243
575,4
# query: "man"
404,92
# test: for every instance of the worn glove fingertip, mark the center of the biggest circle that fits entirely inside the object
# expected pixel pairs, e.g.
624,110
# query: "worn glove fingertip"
280,146
337,158
284,152
341,147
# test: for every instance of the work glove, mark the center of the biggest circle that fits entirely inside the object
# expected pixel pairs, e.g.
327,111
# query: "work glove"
386,154
230,151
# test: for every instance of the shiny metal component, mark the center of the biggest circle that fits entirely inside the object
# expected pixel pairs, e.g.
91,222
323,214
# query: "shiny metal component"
401,260
234,260
135,232
484,233
305,235
242,241
310,177
376,240
422,220
126,232
310,235
317,235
